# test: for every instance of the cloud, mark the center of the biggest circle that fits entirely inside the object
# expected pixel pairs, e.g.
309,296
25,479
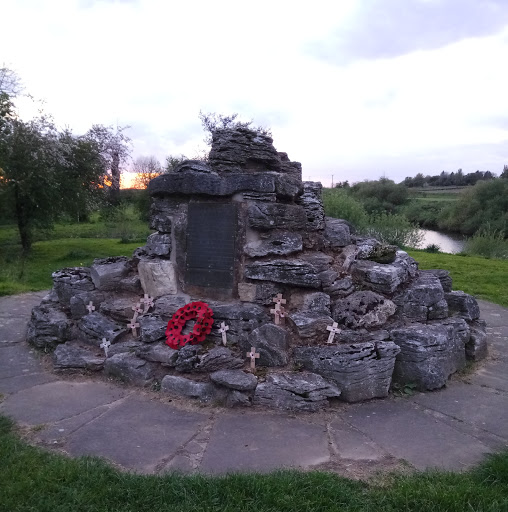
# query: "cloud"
389,28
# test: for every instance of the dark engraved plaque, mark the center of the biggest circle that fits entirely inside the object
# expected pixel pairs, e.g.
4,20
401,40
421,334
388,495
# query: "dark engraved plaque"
211,232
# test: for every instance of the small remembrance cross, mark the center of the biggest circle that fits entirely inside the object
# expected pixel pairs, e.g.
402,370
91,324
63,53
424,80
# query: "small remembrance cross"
90,307
133,325
147,301
222,329
137,309
105,344
279,300
333,331
253,356
280,314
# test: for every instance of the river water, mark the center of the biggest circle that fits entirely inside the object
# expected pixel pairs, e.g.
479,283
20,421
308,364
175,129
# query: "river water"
450,243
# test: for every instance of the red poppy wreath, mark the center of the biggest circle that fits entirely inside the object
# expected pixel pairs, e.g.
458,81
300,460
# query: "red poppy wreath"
203,326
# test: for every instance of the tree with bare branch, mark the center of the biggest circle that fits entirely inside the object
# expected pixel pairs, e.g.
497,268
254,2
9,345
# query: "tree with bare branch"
146,168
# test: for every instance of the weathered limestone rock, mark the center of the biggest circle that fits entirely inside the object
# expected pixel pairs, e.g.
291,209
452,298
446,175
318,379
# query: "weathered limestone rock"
311,325
363,309
361,371
337,233
158,244
259,293
187,358
463,305
158,353
295,391
293,272
290,168
78,303
320,261
384,278
476,346
151,328
181,386
157,277
277,243
167,305
266,216
311,301
95,326
423,299
119,308
313,205
69,282
242,150
272,343
125,347
48,326
339,287
429,354
234,379
242,319
69,356
218,358
107,272
443,276
131,369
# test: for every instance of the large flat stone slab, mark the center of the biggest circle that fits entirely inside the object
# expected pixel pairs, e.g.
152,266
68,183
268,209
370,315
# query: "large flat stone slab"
493,314
408,433
58,400
19,382
351,444
138,434
482,408
263,442
18,359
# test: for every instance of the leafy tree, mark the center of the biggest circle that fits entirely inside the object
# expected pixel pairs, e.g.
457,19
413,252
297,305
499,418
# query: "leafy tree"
173,161
114,148
213,122
504,174
146,168
380,196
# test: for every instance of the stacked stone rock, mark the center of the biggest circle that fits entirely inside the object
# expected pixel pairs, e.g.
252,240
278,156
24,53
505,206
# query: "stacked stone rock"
396,322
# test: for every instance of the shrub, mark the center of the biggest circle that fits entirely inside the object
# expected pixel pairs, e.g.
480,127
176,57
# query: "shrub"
433,248
489,243
339,204
394,229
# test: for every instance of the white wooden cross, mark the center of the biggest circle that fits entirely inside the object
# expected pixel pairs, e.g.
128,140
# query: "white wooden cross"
133,325
90,307
334,329
147,301
279,300
222,329
280,314
253,356
105,344
137,309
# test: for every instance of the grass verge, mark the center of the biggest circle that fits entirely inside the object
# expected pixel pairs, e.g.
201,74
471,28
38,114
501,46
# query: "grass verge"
484,278
36,480
33,274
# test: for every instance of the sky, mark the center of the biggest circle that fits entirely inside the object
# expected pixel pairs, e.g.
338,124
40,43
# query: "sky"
352,89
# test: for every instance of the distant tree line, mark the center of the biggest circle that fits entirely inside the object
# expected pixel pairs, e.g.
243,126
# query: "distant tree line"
453,179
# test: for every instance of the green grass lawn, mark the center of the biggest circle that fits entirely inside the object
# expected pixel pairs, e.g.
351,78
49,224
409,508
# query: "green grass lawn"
484,278
35,480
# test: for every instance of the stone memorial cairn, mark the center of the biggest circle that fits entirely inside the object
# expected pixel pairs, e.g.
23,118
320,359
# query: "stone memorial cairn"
312,311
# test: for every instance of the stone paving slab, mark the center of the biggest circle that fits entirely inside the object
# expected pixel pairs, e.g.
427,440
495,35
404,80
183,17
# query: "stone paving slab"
19,359
262,442
482,408
408,433
351,444
493,375
20,382
55,401
137,434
